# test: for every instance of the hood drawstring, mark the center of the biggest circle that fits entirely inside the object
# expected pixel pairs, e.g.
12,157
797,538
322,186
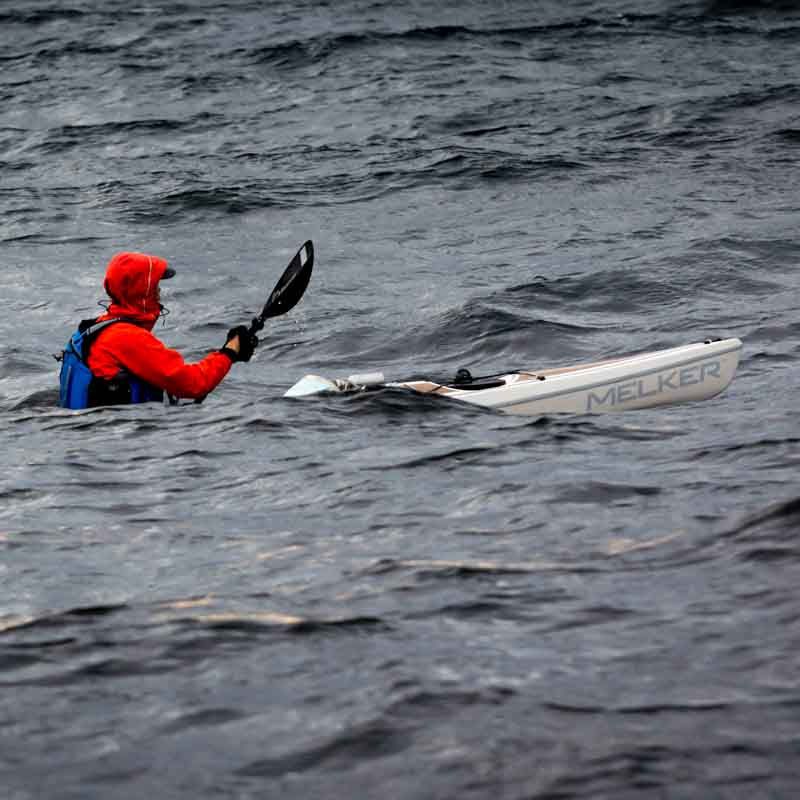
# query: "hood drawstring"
149,281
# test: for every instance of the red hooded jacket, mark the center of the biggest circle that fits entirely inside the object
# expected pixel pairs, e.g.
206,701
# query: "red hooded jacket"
132,284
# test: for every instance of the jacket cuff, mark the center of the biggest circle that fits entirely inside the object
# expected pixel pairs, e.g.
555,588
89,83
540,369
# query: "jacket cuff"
232,354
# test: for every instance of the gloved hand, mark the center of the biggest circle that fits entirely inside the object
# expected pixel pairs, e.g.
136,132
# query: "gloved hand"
247,343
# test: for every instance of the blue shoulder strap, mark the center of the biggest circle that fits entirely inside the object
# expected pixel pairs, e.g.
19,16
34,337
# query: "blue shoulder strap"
81,338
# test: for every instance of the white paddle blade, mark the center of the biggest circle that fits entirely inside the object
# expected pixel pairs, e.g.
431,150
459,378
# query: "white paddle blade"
309,385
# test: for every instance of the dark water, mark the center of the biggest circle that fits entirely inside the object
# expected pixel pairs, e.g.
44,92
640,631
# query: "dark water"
385,596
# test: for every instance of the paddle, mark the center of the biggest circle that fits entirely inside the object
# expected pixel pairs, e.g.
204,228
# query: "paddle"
289,289
287,292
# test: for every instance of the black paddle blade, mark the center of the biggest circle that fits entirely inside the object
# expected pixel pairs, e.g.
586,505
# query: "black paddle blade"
292,284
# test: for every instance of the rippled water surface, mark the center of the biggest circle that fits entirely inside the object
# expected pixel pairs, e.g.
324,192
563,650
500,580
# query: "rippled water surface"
385,595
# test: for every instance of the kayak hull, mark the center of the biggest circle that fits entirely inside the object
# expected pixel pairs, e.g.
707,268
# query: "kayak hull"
689,373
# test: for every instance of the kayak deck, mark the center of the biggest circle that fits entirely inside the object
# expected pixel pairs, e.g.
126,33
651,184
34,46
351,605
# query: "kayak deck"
645,380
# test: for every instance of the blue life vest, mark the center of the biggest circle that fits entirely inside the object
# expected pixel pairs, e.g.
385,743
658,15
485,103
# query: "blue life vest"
81,389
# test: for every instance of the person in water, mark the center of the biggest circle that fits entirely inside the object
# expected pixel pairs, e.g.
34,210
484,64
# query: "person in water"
116,359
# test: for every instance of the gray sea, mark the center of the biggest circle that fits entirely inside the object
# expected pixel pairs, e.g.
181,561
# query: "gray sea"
385,595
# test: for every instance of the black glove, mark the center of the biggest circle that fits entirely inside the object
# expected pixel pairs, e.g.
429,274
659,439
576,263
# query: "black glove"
247,344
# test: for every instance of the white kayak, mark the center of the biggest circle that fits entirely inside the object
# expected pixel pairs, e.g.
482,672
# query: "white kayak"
646,380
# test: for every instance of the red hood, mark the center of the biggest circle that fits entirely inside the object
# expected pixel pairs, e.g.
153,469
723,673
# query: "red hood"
132,284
